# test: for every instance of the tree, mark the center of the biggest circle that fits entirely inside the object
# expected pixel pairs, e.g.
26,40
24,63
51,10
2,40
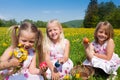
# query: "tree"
104,9
11,22
114,18
91,15
40,24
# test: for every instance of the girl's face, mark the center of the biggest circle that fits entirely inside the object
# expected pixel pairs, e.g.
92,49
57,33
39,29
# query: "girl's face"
27,39
54,32
101,35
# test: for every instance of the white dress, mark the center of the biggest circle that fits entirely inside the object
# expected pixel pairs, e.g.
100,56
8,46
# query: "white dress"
110,67
23,74
57,52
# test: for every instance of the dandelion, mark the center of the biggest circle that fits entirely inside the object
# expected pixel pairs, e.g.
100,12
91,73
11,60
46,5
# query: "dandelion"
67,77
77,75
4,44
20,53
10,53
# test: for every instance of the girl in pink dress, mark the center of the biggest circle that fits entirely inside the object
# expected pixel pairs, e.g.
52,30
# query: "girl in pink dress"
56,49
100,53
29,37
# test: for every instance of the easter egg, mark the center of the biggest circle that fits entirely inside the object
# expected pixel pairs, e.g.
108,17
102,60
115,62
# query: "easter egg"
43,64
85,40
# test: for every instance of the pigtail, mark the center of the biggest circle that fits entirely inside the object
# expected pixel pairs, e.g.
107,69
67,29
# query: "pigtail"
39,46
14,35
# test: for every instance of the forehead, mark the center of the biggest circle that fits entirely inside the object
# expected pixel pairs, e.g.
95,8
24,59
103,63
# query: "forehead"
103,28
52,26
27,34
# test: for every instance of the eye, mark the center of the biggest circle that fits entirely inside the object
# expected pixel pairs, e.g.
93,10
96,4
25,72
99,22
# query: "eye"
55,29
106,33
23,40
49,30
31,41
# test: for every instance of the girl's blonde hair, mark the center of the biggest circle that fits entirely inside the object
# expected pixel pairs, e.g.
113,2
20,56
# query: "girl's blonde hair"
108,29
29,27
47,40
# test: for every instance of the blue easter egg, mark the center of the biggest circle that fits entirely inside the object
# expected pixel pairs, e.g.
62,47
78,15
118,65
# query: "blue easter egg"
57,64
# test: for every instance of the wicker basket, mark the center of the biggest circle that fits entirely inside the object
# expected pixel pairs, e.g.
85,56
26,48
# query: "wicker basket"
84,71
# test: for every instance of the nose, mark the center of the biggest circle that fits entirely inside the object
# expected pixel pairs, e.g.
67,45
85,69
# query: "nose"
53,32
27,44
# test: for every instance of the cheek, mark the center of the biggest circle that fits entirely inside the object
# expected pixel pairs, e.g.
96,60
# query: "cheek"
49,34
32,44
21,42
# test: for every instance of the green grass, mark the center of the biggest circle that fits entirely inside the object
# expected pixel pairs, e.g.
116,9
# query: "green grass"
75,36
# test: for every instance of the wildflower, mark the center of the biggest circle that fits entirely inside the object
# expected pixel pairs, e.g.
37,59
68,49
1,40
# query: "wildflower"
20,53
77,75
4,44
67,77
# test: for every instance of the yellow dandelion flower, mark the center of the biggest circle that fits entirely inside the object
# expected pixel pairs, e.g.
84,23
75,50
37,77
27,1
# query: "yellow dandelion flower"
10,53
5,44
77,75
19,45
67,77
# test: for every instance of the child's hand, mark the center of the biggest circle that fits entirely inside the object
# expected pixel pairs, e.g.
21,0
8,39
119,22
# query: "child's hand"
14,62
61,60
55,76
43,66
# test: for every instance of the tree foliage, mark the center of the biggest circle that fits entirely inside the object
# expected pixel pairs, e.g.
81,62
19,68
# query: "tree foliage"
38,23
91,16
114,18
105,11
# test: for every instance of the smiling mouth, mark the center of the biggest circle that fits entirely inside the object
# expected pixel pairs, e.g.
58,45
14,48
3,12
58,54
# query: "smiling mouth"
26,48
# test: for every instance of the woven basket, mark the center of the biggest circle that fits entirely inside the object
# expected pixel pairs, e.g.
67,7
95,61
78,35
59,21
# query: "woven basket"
84,71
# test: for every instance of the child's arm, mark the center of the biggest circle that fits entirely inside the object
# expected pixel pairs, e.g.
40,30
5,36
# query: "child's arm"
109,51
66,53
54,73
32,68
49,63
5,61
9,63
6,55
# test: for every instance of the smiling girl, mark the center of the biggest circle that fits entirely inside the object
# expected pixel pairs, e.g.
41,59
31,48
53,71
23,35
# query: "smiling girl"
30,38
56,48
100,53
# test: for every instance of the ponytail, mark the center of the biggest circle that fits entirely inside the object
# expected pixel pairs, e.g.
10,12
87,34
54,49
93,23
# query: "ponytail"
14,35
39,46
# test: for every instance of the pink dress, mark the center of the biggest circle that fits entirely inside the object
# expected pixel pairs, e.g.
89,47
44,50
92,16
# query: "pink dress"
57,52
110,66
23,74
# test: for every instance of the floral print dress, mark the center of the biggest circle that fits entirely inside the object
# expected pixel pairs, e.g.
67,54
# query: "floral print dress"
110,66
23,74
57,52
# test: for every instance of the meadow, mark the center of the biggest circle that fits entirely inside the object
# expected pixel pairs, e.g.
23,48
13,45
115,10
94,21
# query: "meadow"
75,36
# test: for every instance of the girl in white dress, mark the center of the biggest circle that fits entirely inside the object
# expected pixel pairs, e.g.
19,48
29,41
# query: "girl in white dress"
30,38
56,48
100,53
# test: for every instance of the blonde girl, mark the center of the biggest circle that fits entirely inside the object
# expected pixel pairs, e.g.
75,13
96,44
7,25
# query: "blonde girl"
30,37
56,48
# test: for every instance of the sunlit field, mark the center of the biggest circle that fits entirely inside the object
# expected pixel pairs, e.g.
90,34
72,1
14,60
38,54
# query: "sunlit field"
75,36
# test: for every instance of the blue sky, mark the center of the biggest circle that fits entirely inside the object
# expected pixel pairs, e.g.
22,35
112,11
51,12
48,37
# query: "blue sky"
44,10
